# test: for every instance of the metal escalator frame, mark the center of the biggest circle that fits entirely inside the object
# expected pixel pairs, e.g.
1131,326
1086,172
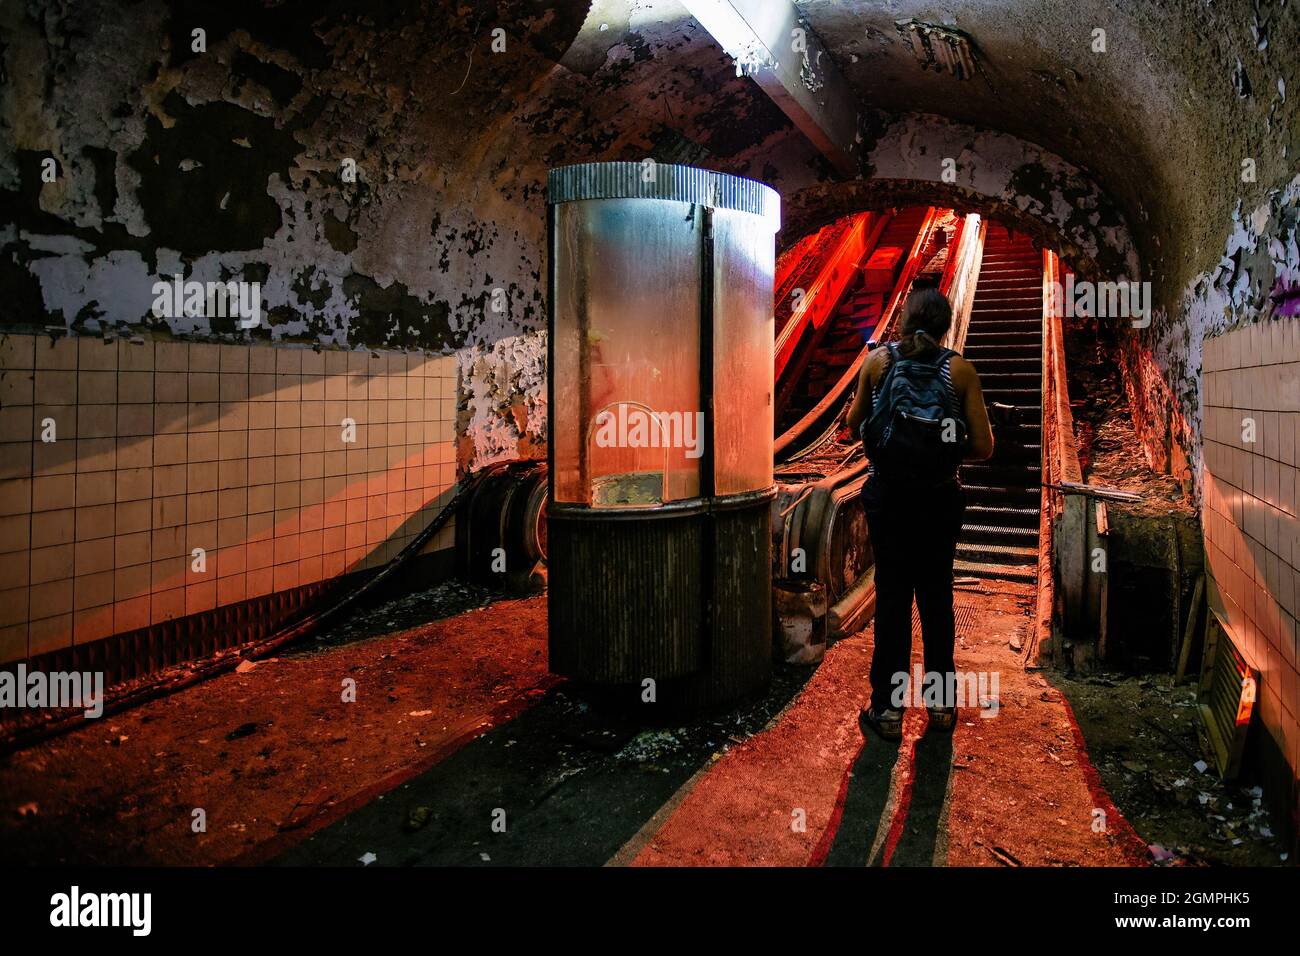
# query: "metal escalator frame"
855,246
811,519
858,602
800,260
842,389
1060,463
961,283
801,264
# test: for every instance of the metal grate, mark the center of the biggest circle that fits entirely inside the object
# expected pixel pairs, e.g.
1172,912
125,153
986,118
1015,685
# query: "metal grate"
964,614
1226,699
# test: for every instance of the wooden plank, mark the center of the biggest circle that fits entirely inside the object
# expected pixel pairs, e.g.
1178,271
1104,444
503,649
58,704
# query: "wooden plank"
1193,615
1098,579
1071,546
1092,618
1097,491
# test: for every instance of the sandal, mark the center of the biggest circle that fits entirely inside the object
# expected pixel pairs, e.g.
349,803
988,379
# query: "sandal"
942,718
887,724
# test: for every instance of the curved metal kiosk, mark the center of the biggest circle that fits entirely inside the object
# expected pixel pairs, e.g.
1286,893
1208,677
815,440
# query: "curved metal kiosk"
660,398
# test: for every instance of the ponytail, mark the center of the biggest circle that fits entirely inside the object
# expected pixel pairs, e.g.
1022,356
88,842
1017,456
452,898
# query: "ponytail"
926,318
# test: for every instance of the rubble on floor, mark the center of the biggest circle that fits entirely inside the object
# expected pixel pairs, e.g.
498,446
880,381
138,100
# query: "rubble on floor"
458,716
1109,451
445,599
1141,736
272,752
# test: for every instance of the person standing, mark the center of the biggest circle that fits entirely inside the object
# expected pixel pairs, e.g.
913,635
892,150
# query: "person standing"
920,412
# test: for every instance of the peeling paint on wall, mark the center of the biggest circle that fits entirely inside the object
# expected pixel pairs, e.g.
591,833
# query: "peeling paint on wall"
229,164
989,171
503,400
1257,279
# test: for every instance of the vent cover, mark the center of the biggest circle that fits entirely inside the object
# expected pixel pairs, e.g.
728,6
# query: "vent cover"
1226,698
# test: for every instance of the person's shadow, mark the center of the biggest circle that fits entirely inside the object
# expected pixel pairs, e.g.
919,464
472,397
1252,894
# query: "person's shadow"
864,834
927,813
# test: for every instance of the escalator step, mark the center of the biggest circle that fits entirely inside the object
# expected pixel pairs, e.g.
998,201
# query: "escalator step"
1030,325
1005,572
1003,515
1004,351
990,379
995,495
997,553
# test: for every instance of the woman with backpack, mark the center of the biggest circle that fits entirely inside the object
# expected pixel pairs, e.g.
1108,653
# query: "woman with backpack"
920,412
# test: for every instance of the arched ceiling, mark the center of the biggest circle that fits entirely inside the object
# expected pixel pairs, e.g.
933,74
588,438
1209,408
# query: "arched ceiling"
1161,117
1158,117
1176,147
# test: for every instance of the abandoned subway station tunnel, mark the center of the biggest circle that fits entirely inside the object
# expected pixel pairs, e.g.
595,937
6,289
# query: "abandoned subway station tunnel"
427,431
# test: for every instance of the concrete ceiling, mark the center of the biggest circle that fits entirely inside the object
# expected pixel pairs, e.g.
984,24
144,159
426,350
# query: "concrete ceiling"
1161,119
1150,117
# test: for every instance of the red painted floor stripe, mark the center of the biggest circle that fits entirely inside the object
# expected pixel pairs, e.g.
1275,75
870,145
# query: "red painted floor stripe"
903,804
823,847
1132,846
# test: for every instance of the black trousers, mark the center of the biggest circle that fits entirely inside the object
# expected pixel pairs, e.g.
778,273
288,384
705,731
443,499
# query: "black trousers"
914,539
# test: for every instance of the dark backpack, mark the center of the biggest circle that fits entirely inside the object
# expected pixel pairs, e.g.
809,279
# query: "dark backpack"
916,432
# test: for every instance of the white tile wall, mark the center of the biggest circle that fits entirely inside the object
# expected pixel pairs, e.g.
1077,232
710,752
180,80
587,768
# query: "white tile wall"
1251,408
161,448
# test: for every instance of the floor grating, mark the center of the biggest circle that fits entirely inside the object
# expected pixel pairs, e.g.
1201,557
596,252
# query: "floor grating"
964,613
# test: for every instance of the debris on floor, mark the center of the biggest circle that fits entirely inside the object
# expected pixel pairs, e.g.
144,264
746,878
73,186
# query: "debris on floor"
1110,454
458,716
444,600
296,755
1141,736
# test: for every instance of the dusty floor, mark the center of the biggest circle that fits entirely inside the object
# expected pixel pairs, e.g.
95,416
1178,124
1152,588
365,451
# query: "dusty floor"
457,727
1005,790
1141,731
274,750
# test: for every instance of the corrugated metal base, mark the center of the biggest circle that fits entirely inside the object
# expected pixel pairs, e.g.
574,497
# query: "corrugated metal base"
740,649
685,600
625,596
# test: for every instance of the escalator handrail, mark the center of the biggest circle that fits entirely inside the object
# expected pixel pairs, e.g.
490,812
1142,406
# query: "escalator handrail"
866,229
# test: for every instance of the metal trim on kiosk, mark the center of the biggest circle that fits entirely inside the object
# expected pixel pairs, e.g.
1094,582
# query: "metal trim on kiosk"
677,590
